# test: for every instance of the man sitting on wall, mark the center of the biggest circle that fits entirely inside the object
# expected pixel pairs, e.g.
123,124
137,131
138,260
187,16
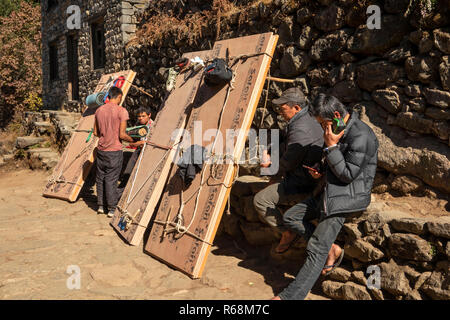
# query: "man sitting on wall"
303,146
110,125
349,166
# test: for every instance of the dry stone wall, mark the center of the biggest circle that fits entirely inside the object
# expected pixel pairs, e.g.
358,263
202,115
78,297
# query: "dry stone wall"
399,74
389,254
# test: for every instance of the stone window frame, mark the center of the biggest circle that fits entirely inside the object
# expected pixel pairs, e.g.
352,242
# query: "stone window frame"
97,20
53,61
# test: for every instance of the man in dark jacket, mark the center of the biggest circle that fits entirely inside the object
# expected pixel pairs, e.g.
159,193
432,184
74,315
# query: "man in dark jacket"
304,140
349,166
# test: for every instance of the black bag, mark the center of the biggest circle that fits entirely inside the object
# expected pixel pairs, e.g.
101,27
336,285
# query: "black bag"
217,73
191,163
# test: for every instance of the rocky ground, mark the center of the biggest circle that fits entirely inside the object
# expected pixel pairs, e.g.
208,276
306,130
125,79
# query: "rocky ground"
42,237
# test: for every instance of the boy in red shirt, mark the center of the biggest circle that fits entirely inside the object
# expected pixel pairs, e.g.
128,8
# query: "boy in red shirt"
110,125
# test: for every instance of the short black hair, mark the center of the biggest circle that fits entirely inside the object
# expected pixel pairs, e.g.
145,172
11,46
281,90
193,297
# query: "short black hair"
114,92
324,106
143,110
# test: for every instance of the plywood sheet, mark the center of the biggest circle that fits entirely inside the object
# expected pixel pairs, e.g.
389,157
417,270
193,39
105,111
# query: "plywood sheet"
76,161
188,252
149,175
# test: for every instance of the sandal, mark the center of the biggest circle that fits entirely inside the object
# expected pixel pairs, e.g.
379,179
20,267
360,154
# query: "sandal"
288,245
335,265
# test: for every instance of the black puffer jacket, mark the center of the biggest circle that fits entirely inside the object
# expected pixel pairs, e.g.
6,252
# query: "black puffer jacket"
350,169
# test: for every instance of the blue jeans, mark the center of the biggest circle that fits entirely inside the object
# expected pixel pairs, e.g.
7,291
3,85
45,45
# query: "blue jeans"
320,240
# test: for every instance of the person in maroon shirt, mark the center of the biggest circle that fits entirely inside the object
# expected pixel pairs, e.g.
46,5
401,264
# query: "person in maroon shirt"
110,125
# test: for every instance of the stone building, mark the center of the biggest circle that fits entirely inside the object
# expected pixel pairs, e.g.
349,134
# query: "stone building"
73,59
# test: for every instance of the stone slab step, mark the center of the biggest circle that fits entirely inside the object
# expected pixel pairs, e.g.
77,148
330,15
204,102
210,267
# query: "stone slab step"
24,142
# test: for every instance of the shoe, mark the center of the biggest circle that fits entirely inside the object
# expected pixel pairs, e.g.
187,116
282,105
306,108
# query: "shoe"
100,210
111,212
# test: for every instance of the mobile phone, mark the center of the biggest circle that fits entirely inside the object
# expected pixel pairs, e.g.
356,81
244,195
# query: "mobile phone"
315,170
338,125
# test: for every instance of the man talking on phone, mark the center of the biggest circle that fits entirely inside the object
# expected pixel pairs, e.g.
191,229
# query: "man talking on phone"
303,145
348,169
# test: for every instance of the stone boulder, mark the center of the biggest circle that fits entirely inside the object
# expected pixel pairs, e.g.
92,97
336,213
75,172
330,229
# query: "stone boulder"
421,68
345,291
346,91
396,6
330,46
444,72
412,225
440,228
438,113
258,234
393,279
378,41
414,121
340,274
307,36
388,99
294,62
330,18
25,142
437,286
442,40
376,75
410,247
437,97
406,184
363,251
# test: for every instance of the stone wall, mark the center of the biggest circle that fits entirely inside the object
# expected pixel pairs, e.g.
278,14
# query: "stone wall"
119,19
398,75
412,253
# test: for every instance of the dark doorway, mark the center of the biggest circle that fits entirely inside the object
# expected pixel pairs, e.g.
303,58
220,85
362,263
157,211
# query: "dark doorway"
72,65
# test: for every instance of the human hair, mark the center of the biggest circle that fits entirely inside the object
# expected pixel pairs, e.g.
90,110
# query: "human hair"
143,110
325,106
114,92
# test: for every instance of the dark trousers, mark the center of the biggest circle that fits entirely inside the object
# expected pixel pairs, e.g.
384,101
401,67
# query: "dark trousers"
267,200
320,239
109,165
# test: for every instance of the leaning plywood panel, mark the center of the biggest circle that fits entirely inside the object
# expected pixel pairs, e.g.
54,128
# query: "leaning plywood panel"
188,216
76,161
147,180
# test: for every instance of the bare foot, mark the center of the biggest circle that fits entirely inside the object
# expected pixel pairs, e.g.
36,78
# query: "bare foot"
286,238
276,298
333,255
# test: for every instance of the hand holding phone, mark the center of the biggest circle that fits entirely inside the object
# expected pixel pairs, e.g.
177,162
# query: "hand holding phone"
313,172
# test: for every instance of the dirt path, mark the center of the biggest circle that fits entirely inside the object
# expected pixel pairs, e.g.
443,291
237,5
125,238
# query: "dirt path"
42,237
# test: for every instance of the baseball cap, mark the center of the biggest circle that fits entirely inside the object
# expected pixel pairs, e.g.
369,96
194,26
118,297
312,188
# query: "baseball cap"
291,95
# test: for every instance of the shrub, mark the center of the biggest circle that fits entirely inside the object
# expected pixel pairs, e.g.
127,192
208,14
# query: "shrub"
20,62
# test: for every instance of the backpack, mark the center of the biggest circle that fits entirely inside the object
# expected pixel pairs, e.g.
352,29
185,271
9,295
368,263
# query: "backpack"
217,73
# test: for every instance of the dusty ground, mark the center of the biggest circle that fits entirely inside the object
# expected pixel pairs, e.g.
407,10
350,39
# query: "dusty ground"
42,237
